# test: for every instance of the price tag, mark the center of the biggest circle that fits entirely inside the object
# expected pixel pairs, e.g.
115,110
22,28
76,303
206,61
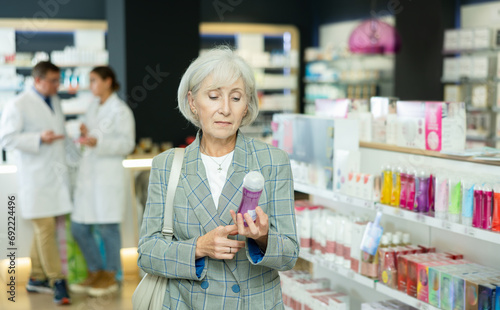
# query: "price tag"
335,197
350,274
423,306
400,213
333,266
421,218
348,200
446,225
366,204
470,231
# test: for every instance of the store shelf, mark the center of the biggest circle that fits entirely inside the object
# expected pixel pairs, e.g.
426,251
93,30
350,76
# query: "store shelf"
457,228
348,83
416,217
466,80
340,270
403,297
477,109
406,150
471,51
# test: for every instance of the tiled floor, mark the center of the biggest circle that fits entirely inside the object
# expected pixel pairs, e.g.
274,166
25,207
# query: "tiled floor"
25,301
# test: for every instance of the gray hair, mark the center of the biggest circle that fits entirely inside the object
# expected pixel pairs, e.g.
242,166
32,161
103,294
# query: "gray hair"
225,67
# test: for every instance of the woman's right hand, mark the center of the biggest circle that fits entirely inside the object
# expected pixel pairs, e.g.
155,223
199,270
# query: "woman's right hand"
216,244
83,130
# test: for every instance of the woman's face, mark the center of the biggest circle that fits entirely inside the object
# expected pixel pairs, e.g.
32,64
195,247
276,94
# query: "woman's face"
98,85
219,111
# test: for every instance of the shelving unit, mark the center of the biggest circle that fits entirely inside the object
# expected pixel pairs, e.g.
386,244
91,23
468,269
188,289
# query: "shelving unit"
474,235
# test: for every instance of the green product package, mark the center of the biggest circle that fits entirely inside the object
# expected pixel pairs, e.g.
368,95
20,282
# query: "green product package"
456,199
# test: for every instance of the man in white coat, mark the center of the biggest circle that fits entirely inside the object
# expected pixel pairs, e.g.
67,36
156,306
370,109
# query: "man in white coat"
32,125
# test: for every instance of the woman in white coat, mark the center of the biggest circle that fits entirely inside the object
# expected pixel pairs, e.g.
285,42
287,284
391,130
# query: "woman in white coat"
107,136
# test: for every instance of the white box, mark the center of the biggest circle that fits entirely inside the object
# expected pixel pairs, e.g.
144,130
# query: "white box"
451,68
482,38
380,108
480,96
466,41
453,93
451,40
480,67
465,69
435,126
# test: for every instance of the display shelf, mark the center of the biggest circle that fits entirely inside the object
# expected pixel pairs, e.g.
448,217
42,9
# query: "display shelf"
400,149
403,297
340,270
471,51
346,82
465,80
457,228
477,109
415,217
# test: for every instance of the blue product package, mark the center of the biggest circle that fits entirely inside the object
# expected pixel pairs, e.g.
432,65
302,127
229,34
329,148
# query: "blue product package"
372,235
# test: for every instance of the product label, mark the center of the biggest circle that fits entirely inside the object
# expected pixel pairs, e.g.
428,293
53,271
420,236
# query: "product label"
433,125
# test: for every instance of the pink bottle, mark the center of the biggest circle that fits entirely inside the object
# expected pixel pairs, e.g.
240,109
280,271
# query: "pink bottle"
253,183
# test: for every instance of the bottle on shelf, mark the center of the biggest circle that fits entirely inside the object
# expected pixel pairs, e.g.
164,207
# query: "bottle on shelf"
495,221
478,206
442,195
369,246
386,191
396,240
406,239
403,187
411,189
487,206
422,192
468,185
396,185
455,199
384,243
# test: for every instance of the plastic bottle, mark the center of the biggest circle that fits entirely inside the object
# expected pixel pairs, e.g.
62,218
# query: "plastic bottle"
253,183
411,189
432,192
396,186
467,201
339,250
406,239
369,246
455,199
385,196
487,206
495,221
403,194
389,236
422,192
396,240
384,243
478,206
442,196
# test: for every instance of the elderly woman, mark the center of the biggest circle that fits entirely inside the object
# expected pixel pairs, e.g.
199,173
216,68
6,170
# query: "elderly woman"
214,261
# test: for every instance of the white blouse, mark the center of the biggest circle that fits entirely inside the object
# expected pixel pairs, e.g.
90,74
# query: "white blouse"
216,169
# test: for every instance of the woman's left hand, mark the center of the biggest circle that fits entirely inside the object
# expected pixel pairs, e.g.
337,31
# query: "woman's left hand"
88,141
257,230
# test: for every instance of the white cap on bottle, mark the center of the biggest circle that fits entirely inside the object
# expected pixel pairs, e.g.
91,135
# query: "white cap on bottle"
406,238
254,181
396,239
384,240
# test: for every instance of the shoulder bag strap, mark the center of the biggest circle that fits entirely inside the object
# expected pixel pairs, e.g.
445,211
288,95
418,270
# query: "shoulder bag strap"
175,172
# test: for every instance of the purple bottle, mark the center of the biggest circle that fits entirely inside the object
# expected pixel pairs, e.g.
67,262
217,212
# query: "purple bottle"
422,192
253,183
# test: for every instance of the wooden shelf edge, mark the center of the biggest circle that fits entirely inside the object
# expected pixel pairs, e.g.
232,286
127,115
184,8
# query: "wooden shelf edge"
20,24
399,149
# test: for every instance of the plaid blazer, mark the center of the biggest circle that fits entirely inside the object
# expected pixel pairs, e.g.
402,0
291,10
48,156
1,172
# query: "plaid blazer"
224,284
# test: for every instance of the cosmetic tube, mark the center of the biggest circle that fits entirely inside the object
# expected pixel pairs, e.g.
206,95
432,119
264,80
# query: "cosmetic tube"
478,206
495,221
487,207
455,199
442,195
467,201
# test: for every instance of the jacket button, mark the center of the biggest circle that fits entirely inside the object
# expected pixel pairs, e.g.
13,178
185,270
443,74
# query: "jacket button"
236,288
204,285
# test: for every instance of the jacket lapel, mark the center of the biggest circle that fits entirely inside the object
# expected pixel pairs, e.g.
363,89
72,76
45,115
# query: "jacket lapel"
197,188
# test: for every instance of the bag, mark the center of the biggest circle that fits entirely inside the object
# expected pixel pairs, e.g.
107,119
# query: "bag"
150,292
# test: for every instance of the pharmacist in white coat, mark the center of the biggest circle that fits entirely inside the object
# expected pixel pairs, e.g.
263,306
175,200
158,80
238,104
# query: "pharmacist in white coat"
32,126
107,137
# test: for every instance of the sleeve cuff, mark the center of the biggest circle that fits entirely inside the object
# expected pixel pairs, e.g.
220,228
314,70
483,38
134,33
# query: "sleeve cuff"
200,265
254,251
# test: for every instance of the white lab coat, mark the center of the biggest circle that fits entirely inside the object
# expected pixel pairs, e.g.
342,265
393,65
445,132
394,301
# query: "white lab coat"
101,183
42,174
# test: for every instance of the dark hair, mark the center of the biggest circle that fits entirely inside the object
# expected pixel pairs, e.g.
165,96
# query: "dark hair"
106,72
40,69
